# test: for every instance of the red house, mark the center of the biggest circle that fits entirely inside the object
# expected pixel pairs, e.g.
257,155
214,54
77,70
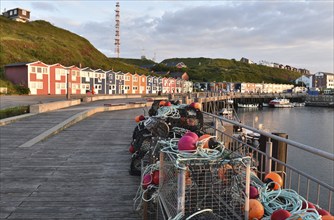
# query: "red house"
33,75
74,79
58,79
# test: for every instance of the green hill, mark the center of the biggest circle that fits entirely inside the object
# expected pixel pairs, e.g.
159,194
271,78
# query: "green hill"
219,70
40,40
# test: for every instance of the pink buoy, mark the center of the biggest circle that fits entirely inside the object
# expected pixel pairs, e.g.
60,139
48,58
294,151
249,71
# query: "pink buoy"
253,192
192,134
187,143
147,180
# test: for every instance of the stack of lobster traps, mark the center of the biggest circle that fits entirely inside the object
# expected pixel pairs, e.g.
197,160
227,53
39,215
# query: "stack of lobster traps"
207,183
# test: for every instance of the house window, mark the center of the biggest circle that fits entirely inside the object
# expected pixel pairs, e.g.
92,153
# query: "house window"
110,76
39,76
127,78
39,69
126,87
15,12
33,85
10,13
135,88
33,69
39,85
148,88
24,12
142,79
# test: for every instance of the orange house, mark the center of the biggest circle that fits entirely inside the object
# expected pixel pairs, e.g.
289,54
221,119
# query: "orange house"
74,79
58,79
128,83
135,83
142,84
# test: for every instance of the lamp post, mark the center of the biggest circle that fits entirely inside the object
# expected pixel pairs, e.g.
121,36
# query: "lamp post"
68,93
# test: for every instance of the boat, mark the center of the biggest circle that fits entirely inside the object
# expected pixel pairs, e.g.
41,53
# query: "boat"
280,103
248,105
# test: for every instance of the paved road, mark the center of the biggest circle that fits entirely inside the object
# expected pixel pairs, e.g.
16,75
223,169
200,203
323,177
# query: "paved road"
8,101
82,172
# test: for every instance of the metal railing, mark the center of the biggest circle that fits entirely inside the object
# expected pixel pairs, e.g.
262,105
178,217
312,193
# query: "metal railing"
311,188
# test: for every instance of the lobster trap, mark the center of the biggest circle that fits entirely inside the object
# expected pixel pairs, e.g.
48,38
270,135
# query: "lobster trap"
191,185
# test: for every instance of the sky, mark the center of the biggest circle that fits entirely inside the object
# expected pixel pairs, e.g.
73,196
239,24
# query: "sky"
295,33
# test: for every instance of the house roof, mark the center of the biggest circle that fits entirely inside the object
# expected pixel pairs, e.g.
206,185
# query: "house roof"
17,64
176,74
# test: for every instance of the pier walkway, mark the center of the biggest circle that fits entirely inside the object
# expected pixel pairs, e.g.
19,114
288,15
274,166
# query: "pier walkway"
79,173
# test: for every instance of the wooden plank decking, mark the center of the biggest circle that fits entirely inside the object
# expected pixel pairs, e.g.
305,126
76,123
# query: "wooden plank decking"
81,173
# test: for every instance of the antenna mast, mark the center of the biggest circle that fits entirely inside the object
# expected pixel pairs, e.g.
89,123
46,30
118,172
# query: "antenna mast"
117,26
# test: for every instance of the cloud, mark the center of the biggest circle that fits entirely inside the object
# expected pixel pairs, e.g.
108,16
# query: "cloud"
285,32
45,6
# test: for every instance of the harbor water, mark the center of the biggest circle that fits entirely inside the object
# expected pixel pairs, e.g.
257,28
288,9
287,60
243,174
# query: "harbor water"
313,126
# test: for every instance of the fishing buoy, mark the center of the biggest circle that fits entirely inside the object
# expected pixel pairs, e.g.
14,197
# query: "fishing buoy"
222,171
155,178
323,212
253,192
273,177
192,134
280,214
186,143
168,103
196,105
256,210
147,180
137,118
327,217
308,205
142,118
131,149
162,103
206,143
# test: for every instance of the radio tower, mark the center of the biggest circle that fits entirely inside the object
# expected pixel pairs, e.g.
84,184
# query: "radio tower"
117,37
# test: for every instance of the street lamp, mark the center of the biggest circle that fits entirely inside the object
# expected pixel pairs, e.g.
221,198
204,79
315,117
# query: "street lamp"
68,93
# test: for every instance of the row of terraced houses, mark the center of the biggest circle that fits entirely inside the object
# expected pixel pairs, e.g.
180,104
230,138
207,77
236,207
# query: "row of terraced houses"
56,79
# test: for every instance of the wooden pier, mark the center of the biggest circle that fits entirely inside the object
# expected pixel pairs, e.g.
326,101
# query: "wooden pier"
80,173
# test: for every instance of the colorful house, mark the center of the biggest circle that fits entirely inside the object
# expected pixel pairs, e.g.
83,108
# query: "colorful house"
33,75
143,84
99,81
159,84
135,84
172,85
57,79
149,86
178,85
165,85
128,83
74,79
119,76
87,77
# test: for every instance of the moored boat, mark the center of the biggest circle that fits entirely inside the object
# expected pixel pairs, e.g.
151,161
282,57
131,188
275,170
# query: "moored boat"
280,103
240,105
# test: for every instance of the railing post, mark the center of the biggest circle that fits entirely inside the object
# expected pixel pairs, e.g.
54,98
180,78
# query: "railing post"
247,191
217,134
269,150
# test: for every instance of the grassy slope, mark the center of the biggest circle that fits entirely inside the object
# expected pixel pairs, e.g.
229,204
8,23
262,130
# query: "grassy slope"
206,69
39,40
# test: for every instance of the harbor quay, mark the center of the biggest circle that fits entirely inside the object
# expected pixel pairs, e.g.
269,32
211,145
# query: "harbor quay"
80,172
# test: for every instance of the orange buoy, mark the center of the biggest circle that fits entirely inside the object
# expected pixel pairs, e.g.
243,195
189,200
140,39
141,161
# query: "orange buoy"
256,210
273,177
206,143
